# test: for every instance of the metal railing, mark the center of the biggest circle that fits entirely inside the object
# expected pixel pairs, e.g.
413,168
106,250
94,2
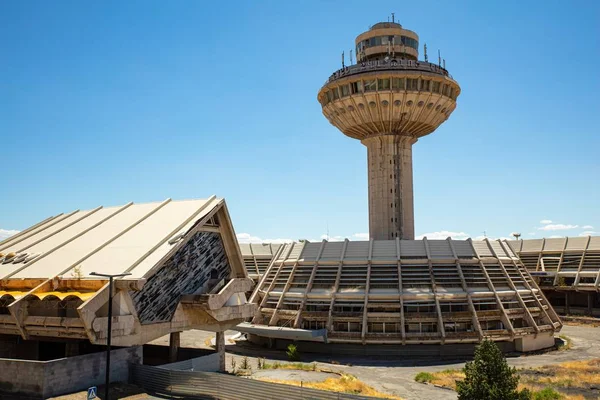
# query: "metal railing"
391,65
210,385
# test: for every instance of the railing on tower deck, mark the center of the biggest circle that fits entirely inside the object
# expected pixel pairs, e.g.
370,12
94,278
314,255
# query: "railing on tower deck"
390,65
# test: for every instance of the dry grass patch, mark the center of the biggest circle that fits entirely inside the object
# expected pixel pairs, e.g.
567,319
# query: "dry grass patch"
344,384
573,380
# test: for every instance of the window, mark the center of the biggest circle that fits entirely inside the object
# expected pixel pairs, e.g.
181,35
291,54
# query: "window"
356,87
329,96
398,83
370,85
452,93
335,93
412,84
425,85
384,84
345,90
436,87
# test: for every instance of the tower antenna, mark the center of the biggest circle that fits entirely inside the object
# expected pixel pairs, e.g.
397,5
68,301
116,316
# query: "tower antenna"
342,59
439,58
393,19
444,63
350,56
425,48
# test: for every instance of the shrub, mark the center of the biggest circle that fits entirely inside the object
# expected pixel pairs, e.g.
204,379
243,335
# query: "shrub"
489,377
424,377
245,364
293,353
547,394
233,365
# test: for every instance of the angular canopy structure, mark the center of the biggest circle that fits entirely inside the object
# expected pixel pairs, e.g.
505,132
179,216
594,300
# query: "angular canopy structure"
402,292
185,265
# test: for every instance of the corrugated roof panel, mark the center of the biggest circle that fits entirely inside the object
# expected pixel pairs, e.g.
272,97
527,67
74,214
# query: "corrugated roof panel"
531,245
412,248
497,247
18,237
384,250
357,250
463,248
440,249
594,243
556,244
297,249
482,249
332,251
245,249
577,244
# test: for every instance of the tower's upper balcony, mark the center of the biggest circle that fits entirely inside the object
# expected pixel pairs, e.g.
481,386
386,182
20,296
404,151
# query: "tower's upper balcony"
385,39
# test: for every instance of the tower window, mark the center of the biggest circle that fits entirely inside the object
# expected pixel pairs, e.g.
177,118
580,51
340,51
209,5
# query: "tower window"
398,83
384,84
412,84
345,90
370,85
335,93
425,85
436,87
356,87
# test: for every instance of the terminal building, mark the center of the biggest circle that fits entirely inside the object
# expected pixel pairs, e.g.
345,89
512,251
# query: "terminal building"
185,266
568,271
400,292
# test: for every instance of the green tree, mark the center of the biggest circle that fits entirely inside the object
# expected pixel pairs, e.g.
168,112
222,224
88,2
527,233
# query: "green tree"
489,377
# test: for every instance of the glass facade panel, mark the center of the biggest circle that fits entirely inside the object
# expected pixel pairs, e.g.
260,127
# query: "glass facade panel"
398,83
383,84
435,87
335,93
412,84
329,96
345,90
425,84
370,85
384,40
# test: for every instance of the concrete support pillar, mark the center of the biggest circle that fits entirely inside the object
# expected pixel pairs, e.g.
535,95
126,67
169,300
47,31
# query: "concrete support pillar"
391,209
567,310
590,307
71,349
220,341
174,343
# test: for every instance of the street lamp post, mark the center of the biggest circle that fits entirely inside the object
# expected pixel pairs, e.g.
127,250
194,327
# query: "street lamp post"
108,334
517,235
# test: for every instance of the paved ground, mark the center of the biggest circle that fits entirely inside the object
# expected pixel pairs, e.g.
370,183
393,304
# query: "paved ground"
396,376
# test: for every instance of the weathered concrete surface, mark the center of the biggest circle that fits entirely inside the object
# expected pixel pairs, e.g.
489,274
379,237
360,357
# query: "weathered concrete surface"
43,379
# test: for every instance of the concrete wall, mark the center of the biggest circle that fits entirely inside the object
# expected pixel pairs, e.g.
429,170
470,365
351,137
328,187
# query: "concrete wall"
45,379
447,351
209,363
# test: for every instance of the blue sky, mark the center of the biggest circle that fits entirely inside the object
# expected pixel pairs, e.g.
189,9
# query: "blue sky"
110,102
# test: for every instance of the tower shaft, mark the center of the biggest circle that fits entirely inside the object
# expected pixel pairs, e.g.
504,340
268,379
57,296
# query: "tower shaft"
391,207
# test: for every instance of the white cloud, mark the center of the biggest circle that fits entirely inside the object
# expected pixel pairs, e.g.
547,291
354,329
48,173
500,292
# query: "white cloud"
531,233
557,227
587,227
555,237
248,238
361,236
442,235
588,233
545,221
6,233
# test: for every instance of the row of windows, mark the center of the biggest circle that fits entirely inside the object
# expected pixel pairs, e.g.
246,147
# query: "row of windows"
395,84
385,40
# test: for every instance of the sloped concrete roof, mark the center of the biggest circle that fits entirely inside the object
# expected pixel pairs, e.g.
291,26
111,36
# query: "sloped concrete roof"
129,238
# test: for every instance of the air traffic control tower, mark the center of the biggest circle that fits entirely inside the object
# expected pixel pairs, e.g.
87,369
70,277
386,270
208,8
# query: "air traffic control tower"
388,100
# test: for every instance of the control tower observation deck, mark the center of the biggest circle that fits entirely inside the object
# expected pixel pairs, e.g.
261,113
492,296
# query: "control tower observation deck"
388,100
